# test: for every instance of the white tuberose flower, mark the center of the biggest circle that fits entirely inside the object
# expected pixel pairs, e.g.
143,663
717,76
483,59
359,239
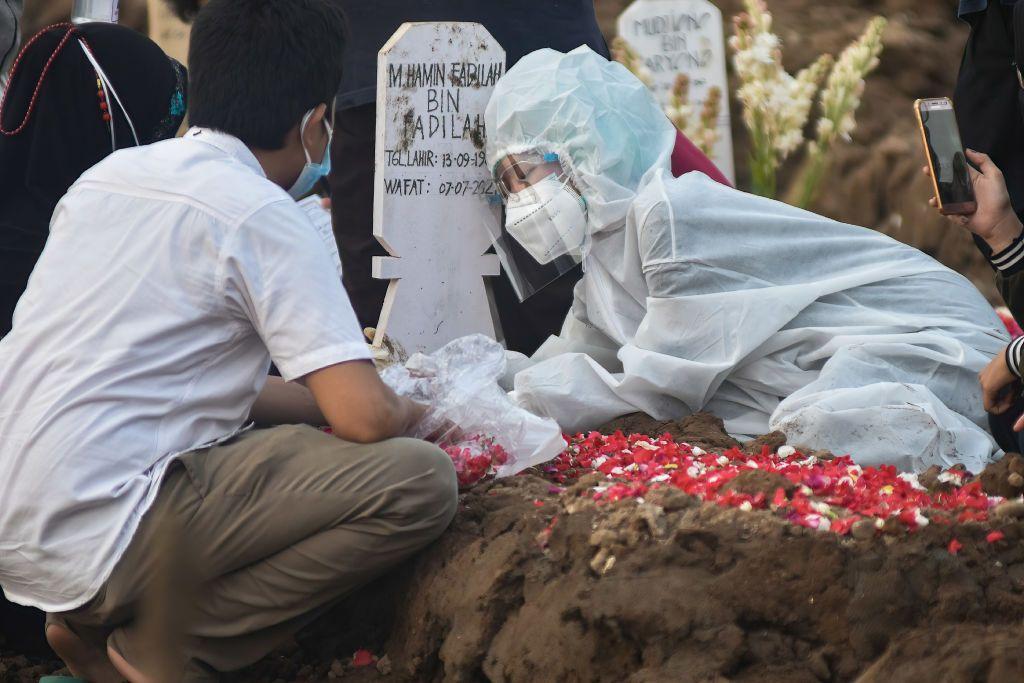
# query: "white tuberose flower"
842,93
776,105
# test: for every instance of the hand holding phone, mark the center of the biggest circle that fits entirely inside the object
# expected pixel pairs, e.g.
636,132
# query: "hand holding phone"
947,161
994,220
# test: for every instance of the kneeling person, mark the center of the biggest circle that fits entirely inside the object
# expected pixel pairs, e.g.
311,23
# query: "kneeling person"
173,275
696,296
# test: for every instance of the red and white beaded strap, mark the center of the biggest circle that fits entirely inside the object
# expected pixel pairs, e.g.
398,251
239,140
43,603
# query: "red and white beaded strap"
105,87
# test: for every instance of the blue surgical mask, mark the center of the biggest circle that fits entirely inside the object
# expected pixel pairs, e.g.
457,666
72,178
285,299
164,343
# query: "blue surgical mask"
311,173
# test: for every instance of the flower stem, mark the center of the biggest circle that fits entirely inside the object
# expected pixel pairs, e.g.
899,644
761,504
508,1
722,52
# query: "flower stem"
762,161
809,179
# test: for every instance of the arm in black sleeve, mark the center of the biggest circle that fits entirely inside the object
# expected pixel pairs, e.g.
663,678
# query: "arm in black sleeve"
1014,359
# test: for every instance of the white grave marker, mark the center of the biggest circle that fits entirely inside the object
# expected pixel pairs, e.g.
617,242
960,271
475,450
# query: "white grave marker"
432,190
683,36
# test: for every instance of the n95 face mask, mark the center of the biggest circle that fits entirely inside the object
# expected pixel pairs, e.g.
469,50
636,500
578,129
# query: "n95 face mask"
549,219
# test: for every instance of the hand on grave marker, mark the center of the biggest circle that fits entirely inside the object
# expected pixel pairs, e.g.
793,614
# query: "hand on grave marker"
388,352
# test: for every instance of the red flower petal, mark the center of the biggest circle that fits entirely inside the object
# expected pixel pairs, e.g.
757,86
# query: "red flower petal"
995,536
632,465
954,547
362,658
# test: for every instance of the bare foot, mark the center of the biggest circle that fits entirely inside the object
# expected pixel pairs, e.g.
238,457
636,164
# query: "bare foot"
82,659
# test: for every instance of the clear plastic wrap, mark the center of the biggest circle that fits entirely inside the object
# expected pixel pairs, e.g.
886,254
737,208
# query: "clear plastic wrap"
469,415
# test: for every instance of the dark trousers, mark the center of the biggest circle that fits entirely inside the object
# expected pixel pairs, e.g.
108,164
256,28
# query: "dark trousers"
21,629
987,96
1001,427
525,325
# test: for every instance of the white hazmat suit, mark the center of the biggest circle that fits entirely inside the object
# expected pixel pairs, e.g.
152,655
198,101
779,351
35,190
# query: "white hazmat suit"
697,297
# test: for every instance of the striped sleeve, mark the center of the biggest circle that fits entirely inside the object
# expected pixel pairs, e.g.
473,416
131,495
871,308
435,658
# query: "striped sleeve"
1013,355
1010,261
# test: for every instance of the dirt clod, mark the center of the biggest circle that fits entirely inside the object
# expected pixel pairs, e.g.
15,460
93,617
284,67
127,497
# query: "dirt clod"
1010,509
753,482
773,441
1004,477
930,480
703,430
864,529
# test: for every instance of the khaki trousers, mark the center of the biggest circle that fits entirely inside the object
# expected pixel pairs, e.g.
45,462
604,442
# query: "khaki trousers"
272,526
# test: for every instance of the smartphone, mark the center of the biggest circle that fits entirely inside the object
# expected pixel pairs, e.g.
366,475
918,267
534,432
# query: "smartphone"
951,176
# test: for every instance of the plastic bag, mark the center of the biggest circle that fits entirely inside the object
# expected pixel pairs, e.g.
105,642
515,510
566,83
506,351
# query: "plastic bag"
469,415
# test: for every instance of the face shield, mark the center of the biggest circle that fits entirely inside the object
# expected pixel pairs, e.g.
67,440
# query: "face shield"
544,230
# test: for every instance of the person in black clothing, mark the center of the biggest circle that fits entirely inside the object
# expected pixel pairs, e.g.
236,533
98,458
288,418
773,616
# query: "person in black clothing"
987,96
520,28
54,129
990,107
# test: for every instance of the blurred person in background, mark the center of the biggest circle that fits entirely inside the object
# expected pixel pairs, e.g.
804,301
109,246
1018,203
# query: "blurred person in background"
997,225
987,96
57,123
990,110
186,10
10,37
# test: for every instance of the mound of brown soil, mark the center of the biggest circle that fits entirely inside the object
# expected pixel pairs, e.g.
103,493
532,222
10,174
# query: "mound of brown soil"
968,653
1004,478
674,590
703,429
535,584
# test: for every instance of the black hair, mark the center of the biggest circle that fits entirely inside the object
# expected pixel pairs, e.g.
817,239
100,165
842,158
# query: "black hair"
256,66
185,10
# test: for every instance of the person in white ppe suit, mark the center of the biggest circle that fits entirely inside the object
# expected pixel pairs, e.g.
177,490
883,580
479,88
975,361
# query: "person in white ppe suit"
697,297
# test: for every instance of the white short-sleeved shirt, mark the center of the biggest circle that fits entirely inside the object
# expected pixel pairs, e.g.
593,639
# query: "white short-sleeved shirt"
173,274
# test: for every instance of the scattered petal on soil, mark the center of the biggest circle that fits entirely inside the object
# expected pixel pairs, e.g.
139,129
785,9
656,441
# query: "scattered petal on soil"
828,495
362,658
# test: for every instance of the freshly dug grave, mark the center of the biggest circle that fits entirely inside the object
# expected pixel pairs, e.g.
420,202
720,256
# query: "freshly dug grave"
539,582
548,576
